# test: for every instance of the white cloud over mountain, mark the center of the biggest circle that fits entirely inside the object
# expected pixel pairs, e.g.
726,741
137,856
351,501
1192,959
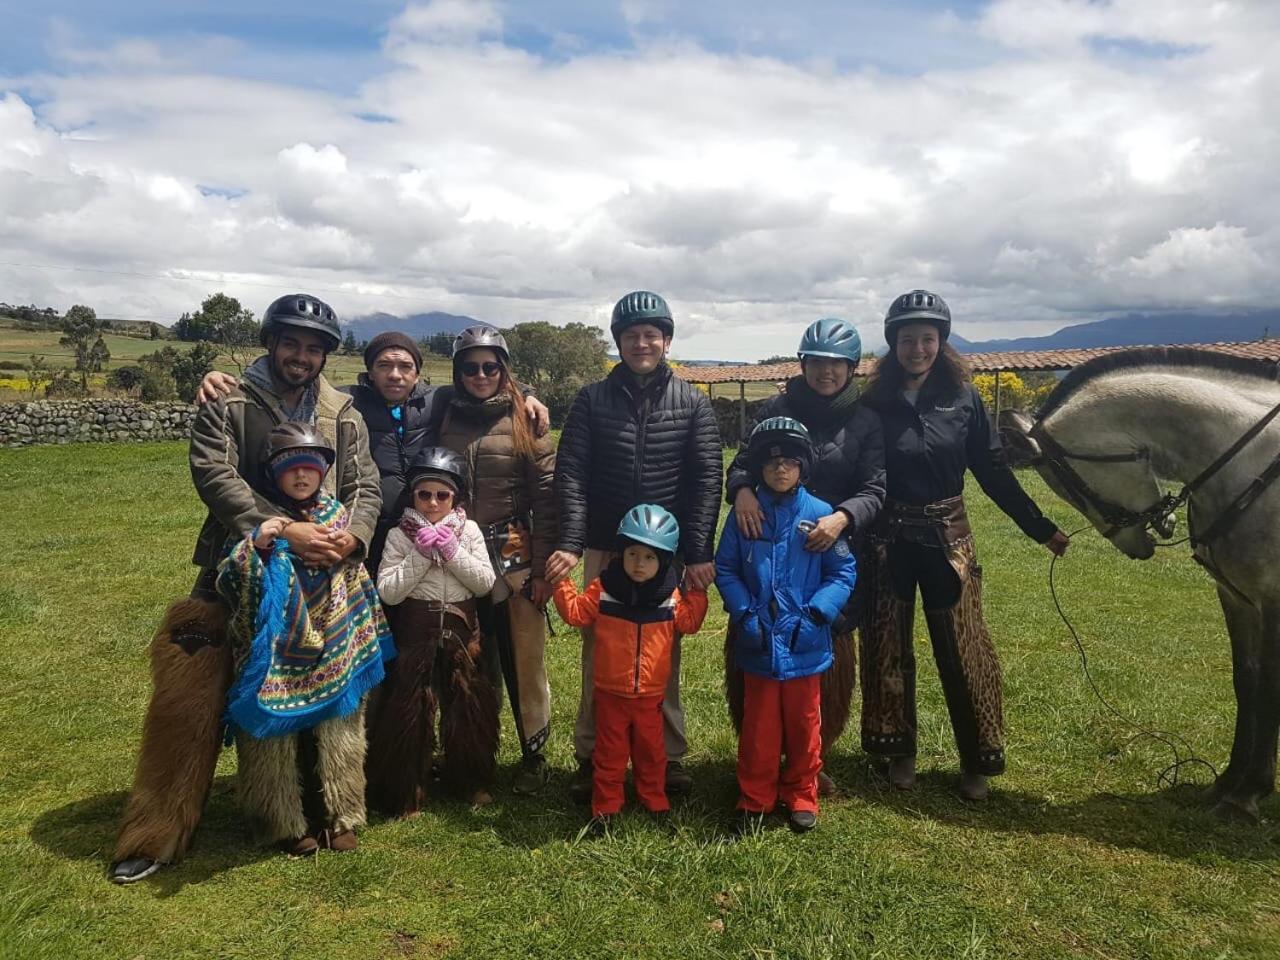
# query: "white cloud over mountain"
1101,157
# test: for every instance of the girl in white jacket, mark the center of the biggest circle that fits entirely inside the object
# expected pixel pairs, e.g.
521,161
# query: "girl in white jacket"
434,565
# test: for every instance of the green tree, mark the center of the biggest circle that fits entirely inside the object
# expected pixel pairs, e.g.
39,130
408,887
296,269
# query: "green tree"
127,378
439,343
153,332
183,371
82,332
38,374
349,344
557,361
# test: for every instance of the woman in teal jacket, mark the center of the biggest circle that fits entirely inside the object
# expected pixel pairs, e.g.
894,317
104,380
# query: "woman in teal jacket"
781,600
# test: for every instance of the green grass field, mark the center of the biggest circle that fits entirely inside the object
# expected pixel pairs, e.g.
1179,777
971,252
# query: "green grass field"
1078,853
18,346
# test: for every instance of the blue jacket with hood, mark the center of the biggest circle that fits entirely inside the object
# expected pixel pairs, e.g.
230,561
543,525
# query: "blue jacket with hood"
782,598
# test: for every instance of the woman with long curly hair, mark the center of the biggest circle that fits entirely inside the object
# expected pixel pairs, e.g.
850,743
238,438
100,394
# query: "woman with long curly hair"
935,428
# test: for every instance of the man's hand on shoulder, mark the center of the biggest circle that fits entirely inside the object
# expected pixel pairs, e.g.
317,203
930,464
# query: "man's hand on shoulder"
214,386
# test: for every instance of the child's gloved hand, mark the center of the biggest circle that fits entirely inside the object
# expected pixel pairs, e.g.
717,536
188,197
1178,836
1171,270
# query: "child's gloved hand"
425,540
446,543
816,616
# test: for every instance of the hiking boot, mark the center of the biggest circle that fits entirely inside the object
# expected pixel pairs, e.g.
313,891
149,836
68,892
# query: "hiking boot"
533,776
679,780
339,841
134,869
902,772
802,821
826,786
580,785
300,846
974,787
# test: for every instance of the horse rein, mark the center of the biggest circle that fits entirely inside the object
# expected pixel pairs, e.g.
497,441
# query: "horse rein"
1159,516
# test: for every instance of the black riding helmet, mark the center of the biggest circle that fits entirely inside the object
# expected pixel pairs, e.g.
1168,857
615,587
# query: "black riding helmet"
294,435
779,437
918,306
304,312
438,463
293,444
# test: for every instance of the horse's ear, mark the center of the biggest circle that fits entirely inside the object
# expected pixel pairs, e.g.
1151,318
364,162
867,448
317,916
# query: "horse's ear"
1015,432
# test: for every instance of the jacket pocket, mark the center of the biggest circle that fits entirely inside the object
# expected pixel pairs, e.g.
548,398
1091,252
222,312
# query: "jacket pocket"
810,636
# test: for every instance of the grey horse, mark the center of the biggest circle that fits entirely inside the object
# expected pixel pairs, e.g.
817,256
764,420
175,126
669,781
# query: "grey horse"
1117,425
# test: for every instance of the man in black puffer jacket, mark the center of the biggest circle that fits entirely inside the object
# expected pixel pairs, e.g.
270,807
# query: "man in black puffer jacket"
640,435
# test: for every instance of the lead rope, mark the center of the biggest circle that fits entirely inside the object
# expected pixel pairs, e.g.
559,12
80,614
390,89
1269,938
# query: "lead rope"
1182,752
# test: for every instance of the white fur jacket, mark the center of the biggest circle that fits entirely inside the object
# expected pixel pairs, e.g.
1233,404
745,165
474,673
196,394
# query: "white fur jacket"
404,572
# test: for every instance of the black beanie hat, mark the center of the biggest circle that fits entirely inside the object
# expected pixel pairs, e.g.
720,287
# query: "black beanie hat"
388,340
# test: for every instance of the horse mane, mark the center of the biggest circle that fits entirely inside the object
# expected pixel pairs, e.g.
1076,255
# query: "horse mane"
1181,357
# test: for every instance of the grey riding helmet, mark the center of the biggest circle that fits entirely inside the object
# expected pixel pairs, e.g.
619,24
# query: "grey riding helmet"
918,306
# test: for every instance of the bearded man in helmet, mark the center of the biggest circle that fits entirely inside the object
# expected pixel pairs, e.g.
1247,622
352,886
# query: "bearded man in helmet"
190,656
640,435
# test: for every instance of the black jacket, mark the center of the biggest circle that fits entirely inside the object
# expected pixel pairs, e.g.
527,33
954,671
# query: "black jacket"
848,467
624,444
929,446
392,453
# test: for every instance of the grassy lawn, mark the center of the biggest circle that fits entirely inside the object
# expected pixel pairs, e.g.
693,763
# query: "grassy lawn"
18,345
1078,853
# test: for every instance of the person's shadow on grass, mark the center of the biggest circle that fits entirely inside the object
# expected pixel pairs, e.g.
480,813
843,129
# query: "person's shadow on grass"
1173,822
85,830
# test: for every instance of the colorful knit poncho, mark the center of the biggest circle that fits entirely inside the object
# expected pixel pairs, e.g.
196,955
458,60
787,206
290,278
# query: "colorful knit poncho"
309,642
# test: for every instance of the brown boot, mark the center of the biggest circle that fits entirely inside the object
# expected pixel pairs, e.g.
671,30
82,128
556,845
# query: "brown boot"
300,846
902,772
974,787
339,841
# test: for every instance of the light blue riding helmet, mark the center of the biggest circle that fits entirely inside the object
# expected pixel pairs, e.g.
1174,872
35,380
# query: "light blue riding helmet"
652,525
831,337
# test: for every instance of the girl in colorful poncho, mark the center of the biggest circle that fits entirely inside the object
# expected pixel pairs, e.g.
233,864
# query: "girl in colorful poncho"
433,568
309,644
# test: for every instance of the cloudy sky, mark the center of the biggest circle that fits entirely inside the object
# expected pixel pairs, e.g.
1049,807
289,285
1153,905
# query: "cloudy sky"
1037,162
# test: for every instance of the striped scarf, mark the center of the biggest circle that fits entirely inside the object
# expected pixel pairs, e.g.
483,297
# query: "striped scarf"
309,642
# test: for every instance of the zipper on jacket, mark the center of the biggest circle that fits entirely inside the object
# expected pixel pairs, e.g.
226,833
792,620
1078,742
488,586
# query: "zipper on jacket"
636,684
641,430
795,636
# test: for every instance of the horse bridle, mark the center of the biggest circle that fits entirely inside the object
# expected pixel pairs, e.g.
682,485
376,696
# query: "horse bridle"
1159,517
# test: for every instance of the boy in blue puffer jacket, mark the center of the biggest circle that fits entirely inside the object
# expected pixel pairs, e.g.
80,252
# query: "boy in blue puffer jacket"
781,601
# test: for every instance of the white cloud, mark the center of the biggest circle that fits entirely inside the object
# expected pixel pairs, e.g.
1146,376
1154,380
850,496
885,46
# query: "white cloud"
1054,183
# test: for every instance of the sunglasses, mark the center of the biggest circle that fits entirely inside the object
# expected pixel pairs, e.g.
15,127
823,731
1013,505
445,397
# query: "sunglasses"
779,463
428,496
469,368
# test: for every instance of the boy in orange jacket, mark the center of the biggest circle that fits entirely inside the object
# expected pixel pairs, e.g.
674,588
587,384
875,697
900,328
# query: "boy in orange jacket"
637,610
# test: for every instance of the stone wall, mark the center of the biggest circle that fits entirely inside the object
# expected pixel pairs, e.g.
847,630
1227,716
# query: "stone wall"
728,416
93,420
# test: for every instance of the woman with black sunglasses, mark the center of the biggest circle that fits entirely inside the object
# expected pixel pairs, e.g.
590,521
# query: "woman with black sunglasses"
512,471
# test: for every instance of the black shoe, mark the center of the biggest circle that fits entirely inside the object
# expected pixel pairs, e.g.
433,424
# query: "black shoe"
748,824
600,826
802,821
533,775
679,780
580,785
134,869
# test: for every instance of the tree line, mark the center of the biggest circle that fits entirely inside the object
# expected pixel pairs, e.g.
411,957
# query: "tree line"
555,361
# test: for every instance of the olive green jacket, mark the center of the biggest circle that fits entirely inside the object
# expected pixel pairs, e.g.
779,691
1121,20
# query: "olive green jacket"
228,458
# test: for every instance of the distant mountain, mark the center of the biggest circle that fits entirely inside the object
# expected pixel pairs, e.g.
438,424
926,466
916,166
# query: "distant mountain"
1137,328
417,325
